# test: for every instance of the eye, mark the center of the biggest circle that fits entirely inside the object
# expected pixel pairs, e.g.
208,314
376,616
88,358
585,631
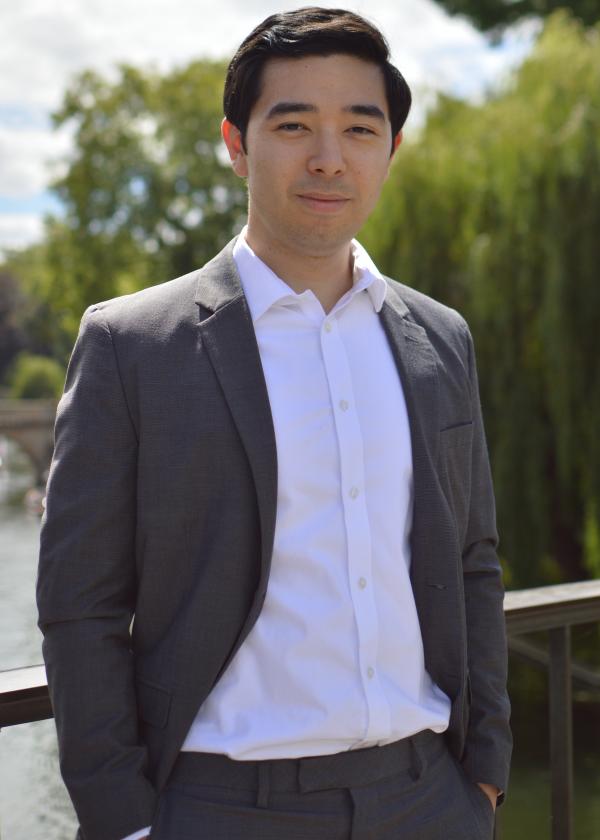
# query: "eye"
290,127
361,129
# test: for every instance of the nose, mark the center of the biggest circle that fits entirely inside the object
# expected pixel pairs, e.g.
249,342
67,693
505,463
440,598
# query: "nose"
326,156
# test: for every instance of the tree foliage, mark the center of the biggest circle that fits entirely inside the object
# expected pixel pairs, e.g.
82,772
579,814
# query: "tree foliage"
495,210
148,192
36,377
148,195
11,331
48,308
495,15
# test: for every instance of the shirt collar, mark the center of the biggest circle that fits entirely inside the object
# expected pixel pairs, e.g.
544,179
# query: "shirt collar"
366,271
263,288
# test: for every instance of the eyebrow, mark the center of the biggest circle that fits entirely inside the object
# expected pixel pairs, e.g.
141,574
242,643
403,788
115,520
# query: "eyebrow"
283,108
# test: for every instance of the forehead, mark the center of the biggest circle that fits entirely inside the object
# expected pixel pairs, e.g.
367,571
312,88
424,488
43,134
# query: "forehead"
334,81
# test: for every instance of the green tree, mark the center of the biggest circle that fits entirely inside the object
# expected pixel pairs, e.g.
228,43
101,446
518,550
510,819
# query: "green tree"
147,177
36,377
495,15
148,195
11,333
49,305
495,209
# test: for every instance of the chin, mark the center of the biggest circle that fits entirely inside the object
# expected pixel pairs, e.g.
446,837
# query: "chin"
323,235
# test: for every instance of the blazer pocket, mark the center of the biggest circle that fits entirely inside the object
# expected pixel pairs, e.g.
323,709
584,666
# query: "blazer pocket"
457,435
455,462
154,703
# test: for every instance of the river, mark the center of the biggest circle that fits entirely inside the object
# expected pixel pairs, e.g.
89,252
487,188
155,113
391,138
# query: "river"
35,806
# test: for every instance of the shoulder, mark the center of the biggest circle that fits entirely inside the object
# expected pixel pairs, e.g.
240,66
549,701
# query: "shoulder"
434,317
166,310
151,312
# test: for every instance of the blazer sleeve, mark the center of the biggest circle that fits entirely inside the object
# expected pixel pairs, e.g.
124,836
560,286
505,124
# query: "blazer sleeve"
488,739
86,593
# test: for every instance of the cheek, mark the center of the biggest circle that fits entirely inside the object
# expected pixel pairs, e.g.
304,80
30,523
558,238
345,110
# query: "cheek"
371,180
270,173
369,165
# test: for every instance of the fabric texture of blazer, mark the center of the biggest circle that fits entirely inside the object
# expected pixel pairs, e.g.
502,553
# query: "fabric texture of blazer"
158,532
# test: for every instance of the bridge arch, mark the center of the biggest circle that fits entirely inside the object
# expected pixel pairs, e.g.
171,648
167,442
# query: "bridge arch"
30,423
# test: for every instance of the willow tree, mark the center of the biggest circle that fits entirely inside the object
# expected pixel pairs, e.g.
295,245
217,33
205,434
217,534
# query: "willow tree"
495,210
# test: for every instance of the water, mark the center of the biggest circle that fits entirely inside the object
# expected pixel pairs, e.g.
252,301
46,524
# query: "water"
34,804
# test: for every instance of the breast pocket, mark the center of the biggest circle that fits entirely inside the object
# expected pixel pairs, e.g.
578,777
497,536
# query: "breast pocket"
456,443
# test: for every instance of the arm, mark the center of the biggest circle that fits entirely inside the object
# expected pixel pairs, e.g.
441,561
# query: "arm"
488,744
86,593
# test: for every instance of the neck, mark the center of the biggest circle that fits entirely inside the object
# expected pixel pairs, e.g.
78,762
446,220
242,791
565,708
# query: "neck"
328,276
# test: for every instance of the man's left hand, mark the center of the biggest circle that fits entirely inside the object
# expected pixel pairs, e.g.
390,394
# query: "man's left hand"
491,791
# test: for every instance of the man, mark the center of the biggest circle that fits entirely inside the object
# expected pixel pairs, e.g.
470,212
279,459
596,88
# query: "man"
276,467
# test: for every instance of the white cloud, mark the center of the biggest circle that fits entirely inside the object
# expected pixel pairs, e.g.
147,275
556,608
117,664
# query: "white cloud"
29,158
42,49
45,44
19,229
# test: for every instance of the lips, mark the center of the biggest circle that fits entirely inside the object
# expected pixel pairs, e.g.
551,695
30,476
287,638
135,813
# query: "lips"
324,196
323,202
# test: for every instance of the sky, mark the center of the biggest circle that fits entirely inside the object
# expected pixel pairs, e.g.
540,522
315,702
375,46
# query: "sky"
45,43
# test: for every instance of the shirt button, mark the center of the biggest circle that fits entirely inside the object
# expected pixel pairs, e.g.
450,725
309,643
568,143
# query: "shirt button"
354,491
362,583
370,673
343,405
328,326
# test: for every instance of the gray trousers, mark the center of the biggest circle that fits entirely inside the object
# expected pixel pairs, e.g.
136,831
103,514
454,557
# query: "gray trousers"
412,789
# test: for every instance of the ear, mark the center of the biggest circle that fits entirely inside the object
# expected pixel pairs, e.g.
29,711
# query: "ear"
397,141
233,140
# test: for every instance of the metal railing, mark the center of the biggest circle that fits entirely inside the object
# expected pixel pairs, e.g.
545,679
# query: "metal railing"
24,691
556,609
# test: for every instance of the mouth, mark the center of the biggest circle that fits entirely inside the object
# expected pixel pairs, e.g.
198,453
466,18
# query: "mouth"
324,202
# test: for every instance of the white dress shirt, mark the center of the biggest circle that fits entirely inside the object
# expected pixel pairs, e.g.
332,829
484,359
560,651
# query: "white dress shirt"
335,660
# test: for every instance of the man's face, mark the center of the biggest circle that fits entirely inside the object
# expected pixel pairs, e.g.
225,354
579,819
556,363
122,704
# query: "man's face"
318,151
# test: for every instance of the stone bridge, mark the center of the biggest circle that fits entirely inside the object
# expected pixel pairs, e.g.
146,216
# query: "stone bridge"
30,423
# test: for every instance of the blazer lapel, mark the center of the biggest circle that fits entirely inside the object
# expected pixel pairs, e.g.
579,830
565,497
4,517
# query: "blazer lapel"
228,336
229,339
417,366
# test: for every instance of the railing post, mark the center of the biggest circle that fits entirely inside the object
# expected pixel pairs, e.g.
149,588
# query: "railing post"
561,733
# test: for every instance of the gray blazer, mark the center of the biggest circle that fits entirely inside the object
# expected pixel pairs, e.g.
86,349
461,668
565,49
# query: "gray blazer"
157,538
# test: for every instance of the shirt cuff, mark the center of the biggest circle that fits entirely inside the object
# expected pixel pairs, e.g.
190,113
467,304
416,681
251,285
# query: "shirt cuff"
143,832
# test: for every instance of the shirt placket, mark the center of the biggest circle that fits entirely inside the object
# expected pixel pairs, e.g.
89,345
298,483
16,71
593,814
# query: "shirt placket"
358,536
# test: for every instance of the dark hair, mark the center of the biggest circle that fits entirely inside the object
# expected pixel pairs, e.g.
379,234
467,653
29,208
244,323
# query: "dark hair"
309,31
